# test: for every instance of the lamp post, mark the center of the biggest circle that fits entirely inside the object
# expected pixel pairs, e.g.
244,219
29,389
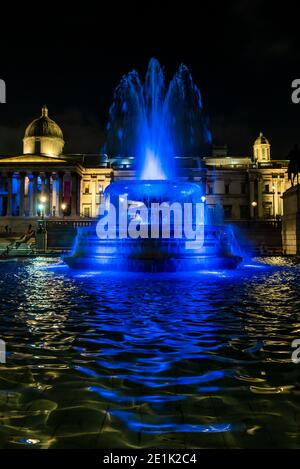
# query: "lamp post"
63,207
254,205
41,206
41,232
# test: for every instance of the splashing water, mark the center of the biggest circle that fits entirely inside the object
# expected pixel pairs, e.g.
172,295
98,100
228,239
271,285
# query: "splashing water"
154,122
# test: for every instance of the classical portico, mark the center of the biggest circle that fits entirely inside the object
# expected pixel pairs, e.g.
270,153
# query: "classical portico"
43,182
28,190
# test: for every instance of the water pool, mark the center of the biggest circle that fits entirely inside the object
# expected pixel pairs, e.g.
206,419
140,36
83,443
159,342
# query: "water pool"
149,361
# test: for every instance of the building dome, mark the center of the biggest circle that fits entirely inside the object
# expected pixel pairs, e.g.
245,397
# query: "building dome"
261,140
261,149
43,136
43,127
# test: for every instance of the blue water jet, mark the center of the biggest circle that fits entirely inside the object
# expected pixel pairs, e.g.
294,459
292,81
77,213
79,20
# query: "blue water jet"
155,123
157,222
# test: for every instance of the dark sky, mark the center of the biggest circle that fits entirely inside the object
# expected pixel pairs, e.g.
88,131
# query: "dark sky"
243,55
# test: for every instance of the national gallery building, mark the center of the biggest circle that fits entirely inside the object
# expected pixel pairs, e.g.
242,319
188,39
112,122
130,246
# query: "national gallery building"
44,181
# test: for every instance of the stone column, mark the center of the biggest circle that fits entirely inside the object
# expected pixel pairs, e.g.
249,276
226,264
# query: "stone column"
48,194
43,191
78,195
30,204
61,192
252,198
54,204
9,194
259,198
282,189
22,194
34,193
94,195
74,189
276,205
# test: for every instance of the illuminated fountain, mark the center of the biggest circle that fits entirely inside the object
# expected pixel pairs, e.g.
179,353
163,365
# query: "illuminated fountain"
156,222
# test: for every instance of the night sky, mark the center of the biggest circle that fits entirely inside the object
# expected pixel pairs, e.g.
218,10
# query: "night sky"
243,55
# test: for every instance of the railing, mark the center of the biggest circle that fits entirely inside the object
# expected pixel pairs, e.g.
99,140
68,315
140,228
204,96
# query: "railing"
255,223
60,234
68,223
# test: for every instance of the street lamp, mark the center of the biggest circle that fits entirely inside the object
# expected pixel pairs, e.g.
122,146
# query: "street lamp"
254,205
203,198
63,207
41,208
42,205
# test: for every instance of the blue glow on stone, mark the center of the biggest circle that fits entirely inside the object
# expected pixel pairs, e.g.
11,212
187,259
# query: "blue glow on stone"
87,371
169,427
116,397
209,389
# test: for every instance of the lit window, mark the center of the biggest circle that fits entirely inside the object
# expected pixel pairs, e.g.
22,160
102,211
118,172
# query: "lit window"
86,212
267,210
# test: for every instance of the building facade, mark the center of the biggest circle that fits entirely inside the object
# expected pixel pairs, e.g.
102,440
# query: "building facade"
247,187
45,182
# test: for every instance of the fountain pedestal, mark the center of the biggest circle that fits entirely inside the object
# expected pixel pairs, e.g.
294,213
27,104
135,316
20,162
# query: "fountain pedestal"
142,240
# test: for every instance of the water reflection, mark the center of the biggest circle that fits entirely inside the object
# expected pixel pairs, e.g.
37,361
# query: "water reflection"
99,360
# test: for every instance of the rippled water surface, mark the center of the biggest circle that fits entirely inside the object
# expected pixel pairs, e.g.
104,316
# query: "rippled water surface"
144,361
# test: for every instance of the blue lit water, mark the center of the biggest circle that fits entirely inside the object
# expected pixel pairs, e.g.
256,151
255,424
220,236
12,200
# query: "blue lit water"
155,121
144,361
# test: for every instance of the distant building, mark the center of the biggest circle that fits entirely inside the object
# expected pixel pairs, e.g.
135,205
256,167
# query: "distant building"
45,181
247,187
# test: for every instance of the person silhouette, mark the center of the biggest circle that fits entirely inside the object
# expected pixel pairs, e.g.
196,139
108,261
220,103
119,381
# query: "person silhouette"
294,164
